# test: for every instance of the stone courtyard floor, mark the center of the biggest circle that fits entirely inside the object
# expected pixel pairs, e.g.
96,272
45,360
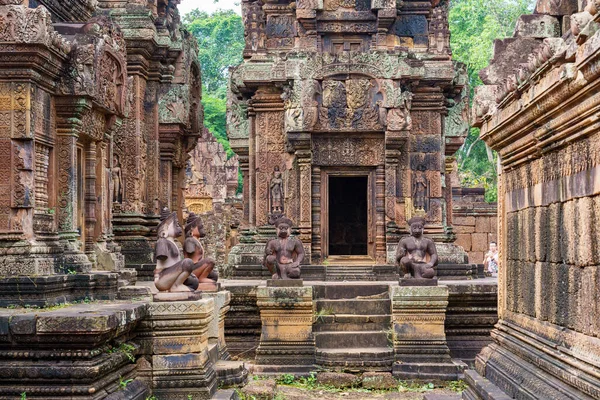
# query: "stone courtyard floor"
333,386
292,393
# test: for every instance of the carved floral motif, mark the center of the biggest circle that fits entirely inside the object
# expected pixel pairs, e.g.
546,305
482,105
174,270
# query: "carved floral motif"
347,151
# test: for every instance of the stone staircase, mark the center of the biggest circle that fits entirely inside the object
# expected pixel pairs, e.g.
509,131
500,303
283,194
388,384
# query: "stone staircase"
228,372
355,273
352,327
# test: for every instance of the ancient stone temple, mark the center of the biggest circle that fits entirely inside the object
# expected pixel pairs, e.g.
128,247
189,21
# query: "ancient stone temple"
539,111
211,185
210,177
346,116
100,103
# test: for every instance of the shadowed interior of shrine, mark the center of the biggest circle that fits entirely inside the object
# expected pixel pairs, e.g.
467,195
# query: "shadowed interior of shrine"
348,219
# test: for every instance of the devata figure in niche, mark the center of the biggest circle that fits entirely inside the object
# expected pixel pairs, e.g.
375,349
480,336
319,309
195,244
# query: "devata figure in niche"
172,274
276,192
419,191
284,255
416,254
117,180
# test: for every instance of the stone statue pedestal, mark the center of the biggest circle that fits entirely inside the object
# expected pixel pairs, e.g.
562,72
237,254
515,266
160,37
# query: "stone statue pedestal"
285,283
287,343
418,282
420,347
174,339
176,296
216,331
209,287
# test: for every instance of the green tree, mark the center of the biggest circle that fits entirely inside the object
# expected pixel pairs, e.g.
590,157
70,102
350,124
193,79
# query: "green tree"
474,25
220,45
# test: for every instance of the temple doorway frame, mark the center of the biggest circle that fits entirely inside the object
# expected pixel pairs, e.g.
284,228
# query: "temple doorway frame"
369,173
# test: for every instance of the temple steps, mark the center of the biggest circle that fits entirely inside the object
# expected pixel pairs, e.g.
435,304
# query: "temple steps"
353,273
351,339
228,373
350,322
352,327
346,306
356,360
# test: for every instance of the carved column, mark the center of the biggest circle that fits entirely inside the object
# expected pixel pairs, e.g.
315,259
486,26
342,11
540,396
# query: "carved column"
380,250
391,170
152,133
252,168
168,136
246,198
69,112
448,189
304,157
90,200
104,199
316,215
269,147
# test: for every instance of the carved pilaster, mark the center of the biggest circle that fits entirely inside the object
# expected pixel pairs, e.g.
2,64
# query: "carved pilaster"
286,342
69,124
90,200
304,157
316,241
380,250
448,189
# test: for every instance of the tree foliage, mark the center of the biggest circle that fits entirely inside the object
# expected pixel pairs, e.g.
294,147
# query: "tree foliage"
220,45
474,25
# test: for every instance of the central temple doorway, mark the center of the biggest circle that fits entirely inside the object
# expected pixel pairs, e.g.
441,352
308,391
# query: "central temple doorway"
348,216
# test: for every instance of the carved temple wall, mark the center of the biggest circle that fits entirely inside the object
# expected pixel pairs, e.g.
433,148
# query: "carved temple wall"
475,221
541,117
211,184
354,88
99,105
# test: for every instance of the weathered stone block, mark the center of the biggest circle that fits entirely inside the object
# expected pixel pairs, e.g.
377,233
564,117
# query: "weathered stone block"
418,316
216,330
465,221
479,242
174,336
476,257
482,225
508,54
262,389
286,341
414,26
463,228
586,225
464,240
537,26
426,143
338,379
554,233
379,381
556,7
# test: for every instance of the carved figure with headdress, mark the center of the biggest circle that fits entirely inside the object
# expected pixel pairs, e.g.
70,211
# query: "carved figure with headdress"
172,273
416,254
284,254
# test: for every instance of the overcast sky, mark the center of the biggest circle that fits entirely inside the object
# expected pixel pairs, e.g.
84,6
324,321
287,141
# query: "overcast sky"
209,5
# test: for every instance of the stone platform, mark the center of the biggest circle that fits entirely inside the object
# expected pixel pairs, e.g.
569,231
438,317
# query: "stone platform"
358,272
352,321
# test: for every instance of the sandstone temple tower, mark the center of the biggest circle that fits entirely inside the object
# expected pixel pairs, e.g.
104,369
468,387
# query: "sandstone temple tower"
346,115
99,106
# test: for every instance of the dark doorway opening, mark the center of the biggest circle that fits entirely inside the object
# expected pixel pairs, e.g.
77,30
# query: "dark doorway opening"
348,215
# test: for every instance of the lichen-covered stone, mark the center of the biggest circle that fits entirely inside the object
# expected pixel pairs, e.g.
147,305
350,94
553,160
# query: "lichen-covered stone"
339,380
